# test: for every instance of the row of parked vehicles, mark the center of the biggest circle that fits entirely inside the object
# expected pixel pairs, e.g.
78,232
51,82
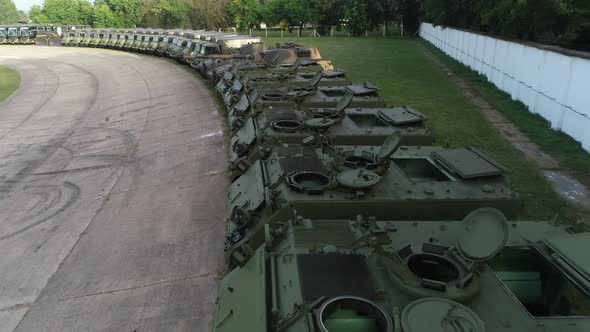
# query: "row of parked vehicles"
185,46
16,35
344,214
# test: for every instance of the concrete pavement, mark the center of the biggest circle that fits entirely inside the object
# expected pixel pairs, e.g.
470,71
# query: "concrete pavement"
112,194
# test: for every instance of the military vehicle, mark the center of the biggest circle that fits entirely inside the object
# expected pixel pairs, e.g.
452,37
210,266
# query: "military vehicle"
157,38
80,36
187,45
24,36
12,35
391,182
150,41
68,38
240,102
125,38
115,37
365,273
134,37
143,38
175,51
105,36
3,36
223,47
88,38
167,40
268,128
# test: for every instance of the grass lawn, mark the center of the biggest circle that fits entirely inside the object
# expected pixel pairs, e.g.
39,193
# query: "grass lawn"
407,77
570,154
9,81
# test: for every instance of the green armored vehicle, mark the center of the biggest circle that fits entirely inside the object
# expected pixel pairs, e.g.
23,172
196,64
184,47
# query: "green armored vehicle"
324,181
158,38
268,128
175,52
139,39
367,274
134,37
240,102
104,37
168,39
95,41
24,36
88,38
79,37
124,39
152,39
12,35
115,37
68,39
3,36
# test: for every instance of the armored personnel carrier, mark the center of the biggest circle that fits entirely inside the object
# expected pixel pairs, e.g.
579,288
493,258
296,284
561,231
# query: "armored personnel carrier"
24,36
365,273
115,37
3,35
140,38
88,37
390,182
241,102
124,39
80,36
268,128
68,39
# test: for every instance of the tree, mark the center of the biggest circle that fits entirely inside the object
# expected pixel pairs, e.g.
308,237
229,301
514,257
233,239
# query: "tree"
37,15
168,14
103,16
296,13
246,13
8,12
355,16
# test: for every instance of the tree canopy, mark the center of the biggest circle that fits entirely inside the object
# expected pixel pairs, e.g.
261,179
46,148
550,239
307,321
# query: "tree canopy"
8,12
563,22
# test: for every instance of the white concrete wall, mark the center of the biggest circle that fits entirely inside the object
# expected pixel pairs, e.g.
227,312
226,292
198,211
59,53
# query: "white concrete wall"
554,85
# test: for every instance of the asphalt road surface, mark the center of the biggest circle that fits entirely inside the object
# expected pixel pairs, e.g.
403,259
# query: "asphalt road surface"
112,194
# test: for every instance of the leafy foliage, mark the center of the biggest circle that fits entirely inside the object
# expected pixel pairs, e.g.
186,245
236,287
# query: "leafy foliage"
8,12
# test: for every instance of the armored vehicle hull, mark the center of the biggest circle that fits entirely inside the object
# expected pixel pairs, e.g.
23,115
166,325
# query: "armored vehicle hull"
419,183
361,274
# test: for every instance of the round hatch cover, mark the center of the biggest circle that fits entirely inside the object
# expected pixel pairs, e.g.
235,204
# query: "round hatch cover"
319,123
344,102
439,315
391,144
484,231
358,178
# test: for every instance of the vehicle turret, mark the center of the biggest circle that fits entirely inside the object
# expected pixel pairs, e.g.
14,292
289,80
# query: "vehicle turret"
267,128
364,274
324,181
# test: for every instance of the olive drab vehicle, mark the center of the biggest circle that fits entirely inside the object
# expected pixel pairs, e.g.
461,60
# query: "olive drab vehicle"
391,181
89,36
24,36
152,38
12,35
104,37
157,38
3,36
364,273
169,38
143,38
175,51
68,38
134,36
122,41
114,38
80,36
